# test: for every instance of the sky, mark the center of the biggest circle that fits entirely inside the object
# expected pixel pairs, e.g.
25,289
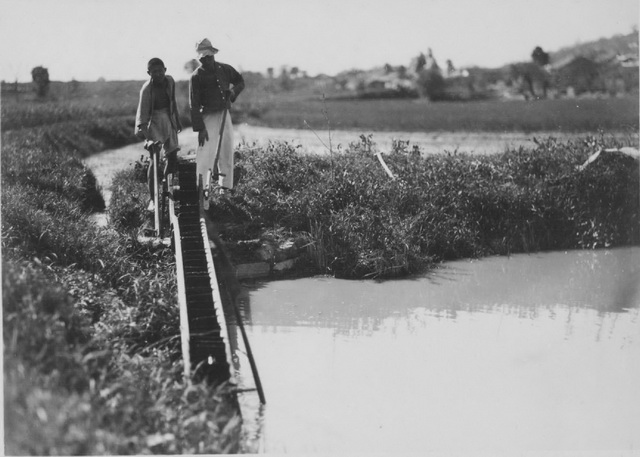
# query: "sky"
113,39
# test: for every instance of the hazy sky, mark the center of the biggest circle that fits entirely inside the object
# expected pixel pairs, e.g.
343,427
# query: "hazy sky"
89,39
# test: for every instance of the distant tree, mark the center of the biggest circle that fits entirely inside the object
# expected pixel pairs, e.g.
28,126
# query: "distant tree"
294,72
432,85
285,80
402,71
450,68
420,62
341,82
74,86
532,77
431,62
270,72
540,57
581,73
191,66
387,68
529,76
40,76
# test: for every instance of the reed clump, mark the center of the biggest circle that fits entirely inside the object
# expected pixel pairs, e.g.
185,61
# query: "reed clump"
362,224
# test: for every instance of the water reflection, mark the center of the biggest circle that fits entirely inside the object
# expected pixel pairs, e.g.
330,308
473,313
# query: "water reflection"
606,280
529,352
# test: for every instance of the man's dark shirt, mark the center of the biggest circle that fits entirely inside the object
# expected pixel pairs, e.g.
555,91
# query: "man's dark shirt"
206,89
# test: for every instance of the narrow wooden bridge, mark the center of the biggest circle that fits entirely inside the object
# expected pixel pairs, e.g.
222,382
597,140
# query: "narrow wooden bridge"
203,295
205,342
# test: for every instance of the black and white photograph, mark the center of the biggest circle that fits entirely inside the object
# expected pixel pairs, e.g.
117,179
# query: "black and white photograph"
320,227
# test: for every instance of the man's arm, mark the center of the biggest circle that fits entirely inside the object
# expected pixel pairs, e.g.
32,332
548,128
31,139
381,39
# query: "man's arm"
197,120
174,103
194,103
238,84
235,91
142,114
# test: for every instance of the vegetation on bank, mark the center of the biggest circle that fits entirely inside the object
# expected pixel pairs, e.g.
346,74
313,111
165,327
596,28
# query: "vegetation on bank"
356,222
92,361
359,223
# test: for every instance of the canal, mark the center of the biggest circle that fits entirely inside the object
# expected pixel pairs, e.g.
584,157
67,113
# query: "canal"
528,352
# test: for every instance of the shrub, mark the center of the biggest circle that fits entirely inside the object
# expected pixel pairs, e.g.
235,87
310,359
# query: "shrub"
127,209
362,224
40,325
135,405
28,161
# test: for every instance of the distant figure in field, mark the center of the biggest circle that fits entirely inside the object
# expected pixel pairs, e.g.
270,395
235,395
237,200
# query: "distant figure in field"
157,119
211,86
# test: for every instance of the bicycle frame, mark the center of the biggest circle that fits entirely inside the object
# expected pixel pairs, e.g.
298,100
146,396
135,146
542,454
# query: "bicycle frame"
157,219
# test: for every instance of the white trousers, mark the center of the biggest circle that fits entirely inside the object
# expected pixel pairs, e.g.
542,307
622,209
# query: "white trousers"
206,155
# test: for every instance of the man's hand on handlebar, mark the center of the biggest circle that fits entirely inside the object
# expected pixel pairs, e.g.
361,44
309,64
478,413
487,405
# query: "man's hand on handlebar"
151,146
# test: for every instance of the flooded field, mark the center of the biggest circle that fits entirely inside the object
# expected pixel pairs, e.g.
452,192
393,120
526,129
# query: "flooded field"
319,141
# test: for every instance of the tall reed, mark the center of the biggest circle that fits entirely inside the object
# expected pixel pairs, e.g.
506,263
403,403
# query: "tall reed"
440,207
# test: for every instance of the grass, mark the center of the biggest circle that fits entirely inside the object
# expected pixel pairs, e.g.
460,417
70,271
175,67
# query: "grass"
92,361
585,115
101,109
361,224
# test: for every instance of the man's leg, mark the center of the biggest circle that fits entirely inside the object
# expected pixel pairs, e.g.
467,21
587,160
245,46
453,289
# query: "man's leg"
170,163
225,160
205,155
171,157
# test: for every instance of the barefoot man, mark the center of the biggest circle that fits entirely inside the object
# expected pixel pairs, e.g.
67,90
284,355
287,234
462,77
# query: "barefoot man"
210,86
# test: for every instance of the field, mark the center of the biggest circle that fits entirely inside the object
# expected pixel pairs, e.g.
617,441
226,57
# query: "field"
310,104
562,116
89,314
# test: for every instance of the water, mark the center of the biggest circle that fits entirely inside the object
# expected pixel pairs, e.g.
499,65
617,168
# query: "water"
531,352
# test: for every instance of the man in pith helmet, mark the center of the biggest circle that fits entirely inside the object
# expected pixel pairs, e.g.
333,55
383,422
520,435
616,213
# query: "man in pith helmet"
211,87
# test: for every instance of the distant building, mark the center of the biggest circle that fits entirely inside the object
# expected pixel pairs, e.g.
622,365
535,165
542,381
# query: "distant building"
628,60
